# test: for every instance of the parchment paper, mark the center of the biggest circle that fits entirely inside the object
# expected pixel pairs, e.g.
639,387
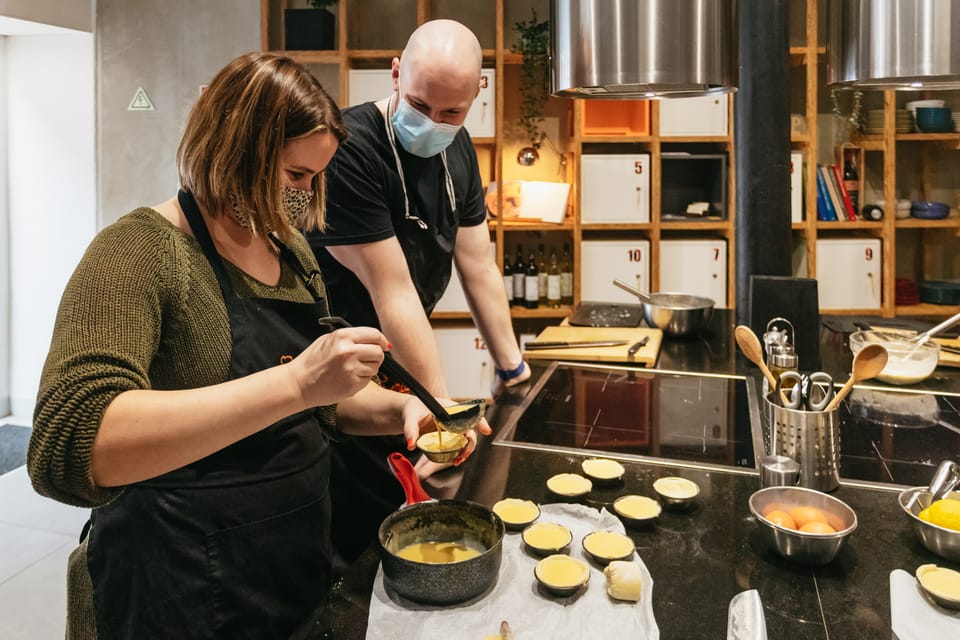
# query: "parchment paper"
516,598
913,617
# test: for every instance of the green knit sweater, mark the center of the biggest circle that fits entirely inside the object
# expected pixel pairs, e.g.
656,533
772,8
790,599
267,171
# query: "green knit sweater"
142,310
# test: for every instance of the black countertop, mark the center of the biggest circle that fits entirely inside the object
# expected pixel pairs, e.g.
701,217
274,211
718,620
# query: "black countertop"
701,558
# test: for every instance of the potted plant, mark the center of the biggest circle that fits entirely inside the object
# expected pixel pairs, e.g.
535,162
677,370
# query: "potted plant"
534,74
310,28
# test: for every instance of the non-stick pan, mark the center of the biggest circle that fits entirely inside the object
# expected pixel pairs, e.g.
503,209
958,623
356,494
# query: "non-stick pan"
426,520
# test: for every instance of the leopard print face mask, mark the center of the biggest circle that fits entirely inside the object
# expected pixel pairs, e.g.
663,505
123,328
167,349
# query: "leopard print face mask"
295,205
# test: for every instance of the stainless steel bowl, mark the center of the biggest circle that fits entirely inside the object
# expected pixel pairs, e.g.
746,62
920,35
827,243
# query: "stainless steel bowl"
940,540
798,546
678,314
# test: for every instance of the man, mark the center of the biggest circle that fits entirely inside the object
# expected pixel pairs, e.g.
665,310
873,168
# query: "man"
405,202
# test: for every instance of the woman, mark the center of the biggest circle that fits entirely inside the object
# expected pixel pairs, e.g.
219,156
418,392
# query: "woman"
188,394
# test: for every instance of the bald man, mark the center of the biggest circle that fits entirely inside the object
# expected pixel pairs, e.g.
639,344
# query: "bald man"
405,203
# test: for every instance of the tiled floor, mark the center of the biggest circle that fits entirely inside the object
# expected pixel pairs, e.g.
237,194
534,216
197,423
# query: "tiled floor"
36,536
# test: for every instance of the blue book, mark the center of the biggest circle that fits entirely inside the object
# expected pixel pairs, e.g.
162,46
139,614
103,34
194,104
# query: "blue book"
825,210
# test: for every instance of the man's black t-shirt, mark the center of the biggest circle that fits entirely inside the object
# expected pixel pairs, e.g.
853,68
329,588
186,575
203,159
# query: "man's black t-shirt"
365,204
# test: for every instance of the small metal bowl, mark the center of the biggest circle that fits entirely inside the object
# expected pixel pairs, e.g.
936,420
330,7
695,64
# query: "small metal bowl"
603,471
595,539
516,514
562,589
537,548
629,508
453,444
675,493
940,540
944,600
799,546
569,486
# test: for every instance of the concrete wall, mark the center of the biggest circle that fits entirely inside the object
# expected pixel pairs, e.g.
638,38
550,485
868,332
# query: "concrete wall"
49,122
69,14
169,48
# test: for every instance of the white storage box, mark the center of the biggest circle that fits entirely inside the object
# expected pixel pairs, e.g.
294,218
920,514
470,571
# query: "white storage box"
696,267
603,260
615,188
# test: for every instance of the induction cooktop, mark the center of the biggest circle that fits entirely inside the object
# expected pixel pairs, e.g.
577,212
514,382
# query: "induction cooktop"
887,437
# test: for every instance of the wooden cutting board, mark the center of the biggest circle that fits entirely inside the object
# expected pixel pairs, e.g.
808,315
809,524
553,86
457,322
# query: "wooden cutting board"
647,355
948,359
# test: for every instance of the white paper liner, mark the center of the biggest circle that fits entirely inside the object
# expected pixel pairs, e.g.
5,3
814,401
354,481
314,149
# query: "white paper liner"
515,598
913,617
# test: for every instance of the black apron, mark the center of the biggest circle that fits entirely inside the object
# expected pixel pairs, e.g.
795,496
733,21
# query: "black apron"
237,544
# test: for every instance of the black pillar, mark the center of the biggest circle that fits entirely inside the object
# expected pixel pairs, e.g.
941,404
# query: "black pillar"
762,140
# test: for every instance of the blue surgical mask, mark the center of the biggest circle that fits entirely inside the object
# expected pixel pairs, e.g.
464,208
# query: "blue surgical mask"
420,135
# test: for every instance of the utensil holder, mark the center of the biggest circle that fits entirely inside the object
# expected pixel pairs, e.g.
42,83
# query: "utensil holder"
812,438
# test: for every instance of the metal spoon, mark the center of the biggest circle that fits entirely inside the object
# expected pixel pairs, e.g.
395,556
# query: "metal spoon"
868,363
749,344
465,415
921,338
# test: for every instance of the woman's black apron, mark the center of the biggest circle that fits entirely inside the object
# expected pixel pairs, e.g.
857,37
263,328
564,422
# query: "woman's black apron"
235,545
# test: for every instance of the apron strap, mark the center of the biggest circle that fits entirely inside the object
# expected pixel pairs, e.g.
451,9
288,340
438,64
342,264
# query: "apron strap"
192,212
310,279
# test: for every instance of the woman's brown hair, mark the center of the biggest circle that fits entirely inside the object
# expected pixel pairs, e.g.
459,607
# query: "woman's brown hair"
230,150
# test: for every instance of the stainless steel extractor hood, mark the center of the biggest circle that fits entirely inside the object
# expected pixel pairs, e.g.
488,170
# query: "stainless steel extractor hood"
894,44
620,49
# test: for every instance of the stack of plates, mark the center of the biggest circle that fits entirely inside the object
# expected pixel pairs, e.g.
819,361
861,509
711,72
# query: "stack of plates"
873,125
956,120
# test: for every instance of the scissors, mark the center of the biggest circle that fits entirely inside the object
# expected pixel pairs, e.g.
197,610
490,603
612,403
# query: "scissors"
805,392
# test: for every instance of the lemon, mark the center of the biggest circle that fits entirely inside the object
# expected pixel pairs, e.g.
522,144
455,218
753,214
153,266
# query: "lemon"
944,513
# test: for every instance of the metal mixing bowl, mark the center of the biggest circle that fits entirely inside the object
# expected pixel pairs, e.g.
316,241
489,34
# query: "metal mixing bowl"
940,540
677,314
798,546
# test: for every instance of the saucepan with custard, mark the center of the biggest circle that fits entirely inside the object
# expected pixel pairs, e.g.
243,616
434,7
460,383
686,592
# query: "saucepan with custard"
438,552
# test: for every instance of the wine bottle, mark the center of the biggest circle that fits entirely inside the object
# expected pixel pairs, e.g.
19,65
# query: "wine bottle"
508,279
566,276
851,180
541,275
531,283
519,269
553,282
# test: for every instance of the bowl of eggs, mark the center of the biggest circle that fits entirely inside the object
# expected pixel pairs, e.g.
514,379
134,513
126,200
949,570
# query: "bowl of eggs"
803,525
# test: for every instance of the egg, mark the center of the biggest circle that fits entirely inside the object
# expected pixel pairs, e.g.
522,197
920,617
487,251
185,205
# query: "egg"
815,526
803,515
781,518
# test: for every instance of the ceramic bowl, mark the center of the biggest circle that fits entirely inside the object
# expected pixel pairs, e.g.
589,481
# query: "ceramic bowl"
929,210
905,363
799,546
934,119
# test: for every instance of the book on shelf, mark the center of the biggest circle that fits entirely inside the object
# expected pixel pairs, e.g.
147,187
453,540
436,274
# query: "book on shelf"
825,210
844,194
796,186
832,193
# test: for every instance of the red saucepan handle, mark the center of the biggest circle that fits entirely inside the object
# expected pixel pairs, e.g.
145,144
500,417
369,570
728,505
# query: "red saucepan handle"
407,475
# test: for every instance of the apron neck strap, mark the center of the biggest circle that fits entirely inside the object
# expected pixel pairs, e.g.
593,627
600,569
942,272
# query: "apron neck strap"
199,227
310,279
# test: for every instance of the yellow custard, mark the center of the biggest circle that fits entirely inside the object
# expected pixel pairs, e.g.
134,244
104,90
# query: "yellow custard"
437,552
516,511
433,441
602,468
639,507
608,544
674,487
562,571
547,535
569,484
940,581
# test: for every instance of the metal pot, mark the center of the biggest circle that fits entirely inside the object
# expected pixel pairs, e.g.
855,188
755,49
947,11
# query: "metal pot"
677,314
426,520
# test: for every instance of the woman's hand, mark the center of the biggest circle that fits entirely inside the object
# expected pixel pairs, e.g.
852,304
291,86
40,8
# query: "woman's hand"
338,365
417,419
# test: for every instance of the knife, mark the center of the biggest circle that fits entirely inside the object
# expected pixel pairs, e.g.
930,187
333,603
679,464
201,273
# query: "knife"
532,346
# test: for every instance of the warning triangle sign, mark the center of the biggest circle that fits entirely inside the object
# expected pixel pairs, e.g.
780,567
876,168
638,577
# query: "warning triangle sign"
140,102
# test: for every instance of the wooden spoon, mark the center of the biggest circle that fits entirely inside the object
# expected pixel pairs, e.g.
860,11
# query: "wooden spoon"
749,344
868,363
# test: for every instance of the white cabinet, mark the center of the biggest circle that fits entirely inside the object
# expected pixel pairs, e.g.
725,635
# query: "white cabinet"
603,260
615,188
796,187
467,365
848,273
705,116
370,85
482,118
695,267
